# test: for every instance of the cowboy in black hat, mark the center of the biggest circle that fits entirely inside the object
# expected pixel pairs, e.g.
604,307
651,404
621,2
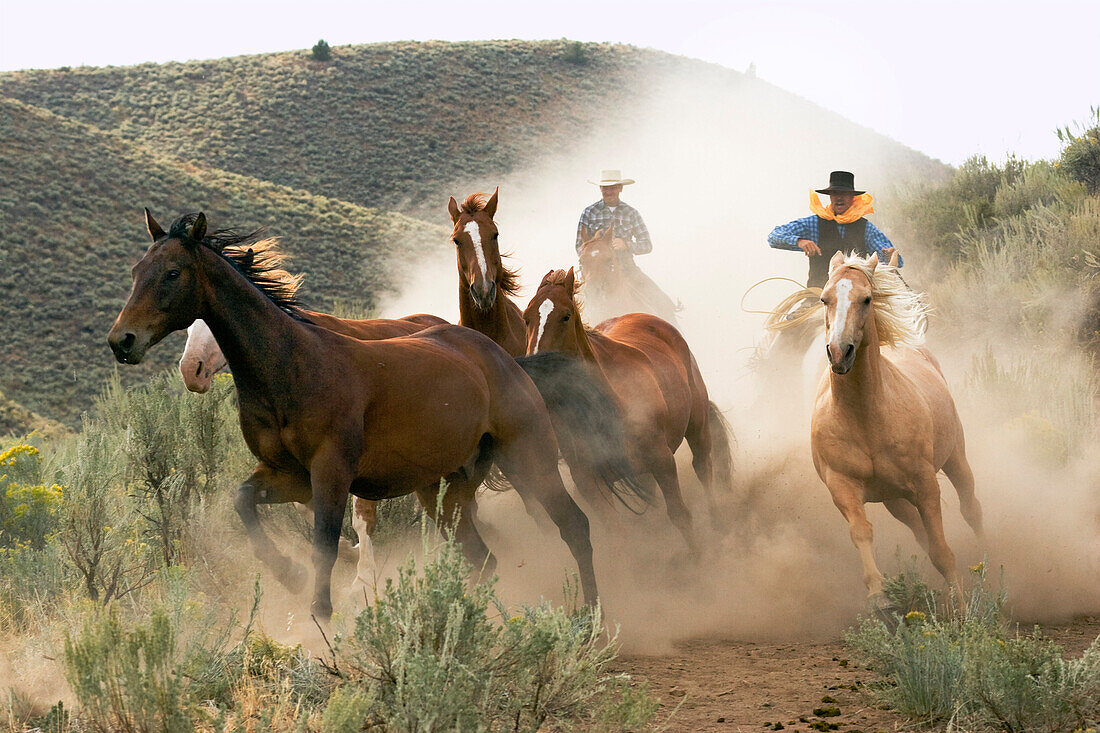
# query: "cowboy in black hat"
838,227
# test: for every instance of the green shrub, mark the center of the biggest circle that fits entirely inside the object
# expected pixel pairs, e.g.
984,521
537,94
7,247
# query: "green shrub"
1080,157
575,53
322,51
27,505
433,654
971,669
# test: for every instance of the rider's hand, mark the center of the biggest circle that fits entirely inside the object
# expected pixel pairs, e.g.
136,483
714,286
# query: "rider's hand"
809,247
619,244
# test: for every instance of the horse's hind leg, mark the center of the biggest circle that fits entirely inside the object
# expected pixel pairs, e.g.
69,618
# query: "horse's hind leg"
710,455
907,514
662,465
957,469
269,486
534,472
457,511
364,518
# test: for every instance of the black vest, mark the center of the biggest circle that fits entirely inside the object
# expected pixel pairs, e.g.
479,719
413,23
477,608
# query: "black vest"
830,242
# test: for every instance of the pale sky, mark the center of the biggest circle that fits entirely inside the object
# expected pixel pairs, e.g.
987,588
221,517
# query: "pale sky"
948,78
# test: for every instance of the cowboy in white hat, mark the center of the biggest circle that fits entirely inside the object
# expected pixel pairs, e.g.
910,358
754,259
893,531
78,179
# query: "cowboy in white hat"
631,235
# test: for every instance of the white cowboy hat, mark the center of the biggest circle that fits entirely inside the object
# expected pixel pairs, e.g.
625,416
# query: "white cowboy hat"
612,178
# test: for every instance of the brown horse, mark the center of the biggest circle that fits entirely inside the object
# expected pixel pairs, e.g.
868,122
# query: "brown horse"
327,415
653,373
614,284
884,423
586,420
484,283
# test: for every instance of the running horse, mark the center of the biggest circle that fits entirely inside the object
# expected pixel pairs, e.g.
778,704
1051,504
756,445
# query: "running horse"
484,283
202,359
657,383
326,414
884,423
613,284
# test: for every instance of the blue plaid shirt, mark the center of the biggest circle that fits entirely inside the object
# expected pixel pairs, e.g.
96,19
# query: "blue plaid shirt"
786,236
628,225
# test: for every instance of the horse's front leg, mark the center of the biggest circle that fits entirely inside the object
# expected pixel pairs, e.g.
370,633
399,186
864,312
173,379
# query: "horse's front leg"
331,472
848,496
268,485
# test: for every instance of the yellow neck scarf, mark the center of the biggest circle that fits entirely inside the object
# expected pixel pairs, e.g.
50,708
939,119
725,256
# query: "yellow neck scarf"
861,206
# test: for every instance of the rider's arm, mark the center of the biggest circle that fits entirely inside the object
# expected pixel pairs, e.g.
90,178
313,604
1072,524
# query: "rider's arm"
580,233
641,243
786,236
876,241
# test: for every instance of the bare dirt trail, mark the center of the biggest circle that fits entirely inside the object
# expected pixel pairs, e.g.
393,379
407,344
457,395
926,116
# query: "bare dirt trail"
712,685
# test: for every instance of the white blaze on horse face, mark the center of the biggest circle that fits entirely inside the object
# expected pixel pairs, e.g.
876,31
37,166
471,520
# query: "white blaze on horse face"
546,307
474,231
843,302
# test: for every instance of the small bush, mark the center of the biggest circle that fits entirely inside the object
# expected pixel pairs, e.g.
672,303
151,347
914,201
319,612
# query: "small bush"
322,51
575,53
433,654
971,669
1080,158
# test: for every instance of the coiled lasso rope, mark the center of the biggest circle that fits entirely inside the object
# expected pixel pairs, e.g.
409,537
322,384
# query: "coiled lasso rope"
779,319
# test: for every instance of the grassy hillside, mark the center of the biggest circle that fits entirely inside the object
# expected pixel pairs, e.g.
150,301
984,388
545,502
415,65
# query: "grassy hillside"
72,227
398,125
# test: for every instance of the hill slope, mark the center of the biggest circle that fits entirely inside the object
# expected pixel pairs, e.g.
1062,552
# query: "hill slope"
71,207
400,125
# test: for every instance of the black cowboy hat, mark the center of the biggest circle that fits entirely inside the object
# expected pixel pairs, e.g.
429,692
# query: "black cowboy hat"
841,182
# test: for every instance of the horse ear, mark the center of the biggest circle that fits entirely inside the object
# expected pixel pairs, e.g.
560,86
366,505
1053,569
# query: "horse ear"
894,258
546,278
491,204
836,261
610,233
151,224
873,262
570,281
249,258
452,206
198,229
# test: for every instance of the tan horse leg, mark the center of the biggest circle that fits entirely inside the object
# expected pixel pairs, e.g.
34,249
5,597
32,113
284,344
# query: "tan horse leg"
957,469
848,498
269,486
908,515
942,556
364,518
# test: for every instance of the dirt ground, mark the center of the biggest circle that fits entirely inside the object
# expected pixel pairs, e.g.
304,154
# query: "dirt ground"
716,685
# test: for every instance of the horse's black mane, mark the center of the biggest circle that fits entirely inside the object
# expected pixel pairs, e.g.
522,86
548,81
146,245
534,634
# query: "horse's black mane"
252,254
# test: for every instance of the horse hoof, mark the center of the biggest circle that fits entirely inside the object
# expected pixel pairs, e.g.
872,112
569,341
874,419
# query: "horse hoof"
321,611
884,610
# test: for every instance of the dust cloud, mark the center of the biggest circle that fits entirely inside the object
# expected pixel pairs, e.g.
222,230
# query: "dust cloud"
719,162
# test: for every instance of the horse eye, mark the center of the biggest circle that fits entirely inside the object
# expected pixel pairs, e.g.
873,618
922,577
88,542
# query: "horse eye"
172,275
867,300
565,317
457,243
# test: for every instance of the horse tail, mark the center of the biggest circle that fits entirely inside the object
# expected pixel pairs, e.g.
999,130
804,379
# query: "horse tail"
722,441
588,424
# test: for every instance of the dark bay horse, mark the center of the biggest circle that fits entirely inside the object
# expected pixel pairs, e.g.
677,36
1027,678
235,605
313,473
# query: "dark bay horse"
660,390
326,414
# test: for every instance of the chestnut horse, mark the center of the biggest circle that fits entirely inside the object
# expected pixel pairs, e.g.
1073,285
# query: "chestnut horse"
484,283
884,423
326,414
613,284
202,359
586,420
653,373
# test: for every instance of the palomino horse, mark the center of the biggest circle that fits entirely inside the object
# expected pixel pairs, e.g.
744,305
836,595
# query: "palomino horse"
653,374
613,284
327,415
484,283
884,423
202,359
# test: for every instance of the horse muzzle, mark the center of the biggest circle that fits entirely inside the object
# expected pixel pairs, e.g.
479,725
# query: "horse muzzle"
486,297
129,348
841,357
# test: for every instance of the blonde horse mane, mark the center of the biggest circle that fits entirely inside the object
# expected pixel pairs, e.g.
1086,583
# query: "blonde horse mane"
901,314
